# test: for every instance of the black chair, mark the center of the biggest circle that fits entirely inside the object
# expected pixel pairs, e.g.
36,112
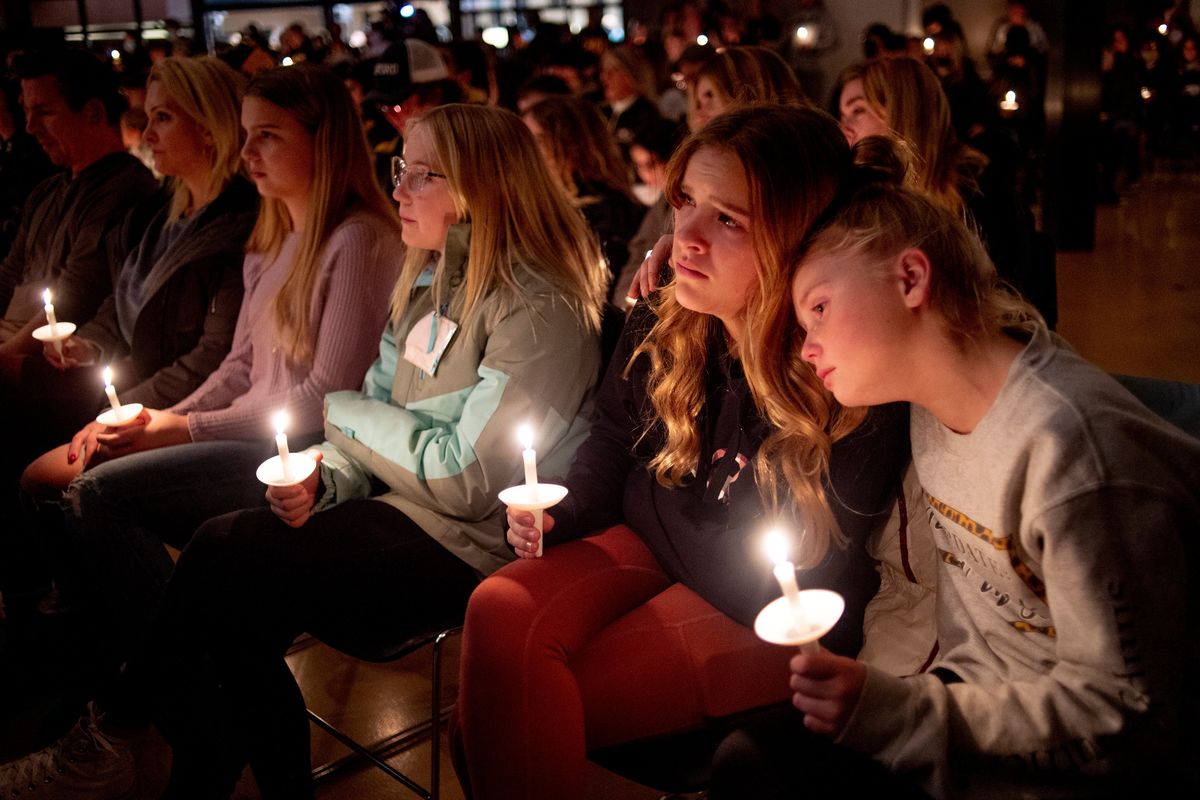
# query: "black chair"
376,752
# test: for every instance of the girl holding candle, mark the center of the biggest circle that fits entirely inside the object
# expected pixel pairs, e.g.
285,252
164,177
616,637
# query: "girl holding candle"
1062,508
325,243
495,324
634,632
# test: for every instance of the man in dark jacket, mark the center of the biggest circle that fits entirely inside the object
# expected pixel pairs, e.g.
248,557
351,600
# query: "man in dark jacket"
73,109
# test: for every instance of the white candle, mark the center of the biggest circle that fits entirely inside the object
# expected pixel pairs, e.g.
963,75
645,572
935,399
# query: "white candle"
49,311
111,391
785,571
281,422
525,433
530,456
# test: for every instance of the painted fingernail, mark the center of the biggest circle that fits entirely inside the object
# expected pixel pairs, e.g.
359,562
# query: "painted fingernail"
71,458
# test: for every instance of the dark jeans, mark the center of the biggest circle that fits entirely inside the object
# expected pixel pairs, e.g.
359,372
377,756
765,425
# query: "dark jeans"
776,758
46,408
245,587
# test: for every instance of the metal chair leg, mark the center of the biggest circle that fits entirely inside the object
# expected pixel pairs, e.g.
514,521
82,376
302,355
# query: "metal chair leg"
401,739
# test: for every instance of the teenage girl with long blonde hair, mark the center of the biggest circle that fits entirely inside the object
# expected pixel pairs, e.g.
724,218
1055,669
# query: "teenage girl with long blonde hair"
633,632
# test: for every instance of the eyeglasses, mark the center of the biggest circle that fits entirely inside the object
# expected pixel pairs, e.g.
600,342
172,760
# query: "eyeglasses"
415,177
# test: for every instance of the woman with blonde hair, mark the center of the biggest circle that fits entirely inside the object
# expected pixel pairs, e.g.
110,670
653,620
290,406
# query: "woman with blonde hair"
902,98
317,272
177,257
735,76
634,632
494,324
739,75
1063,511
583,156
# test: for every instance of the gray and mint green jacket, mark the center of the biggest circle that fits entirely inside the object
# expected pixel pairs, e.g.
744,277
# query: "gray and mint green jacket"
446,445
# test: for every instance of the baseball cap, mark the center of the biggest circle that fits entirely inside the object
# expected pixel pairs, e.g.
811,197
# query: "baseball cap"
403,66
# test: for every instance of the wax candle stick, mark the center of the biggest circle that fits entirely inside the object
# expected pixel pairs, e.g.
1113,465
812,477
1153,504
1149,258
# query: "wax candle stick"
111,391
281,422
49,308
525,433
785,571
530,457
50,319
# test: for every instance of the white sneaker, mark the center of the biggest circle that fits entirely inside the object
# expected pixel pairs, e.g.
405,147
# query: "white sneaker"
86,764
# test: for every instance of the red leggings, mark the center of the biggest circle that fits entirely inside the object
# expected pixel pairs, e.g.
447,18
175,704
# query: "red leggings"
591,646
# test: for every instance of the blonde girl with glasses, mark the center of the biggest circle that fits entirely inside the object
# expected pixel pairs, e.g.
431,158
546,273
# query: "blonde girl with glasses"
494,324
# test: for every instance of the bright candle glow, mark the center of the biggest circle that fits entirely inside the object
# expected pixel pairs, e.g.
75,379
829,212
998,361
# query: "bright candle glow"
776,543
702,40
407,11
496,37
116,54
287,61
280,421
928,44
46,294
1162,29
111,391
525,434
1010,97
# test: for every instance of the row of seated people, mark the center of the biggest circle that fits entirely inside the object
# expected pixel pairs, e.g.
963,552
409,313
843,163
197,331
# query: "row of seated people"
827,321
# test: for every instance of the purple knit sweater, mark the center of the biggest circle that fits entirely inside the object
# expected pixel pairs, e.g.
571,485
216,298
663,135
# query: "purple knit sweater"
358,269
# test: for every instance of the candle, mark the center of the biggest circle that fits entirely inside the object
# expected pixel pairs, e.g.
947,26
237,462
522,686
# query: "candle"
49,310
530,455
702,40
281,421
803,34
785,571
111,391
525,433
928,45
1009,103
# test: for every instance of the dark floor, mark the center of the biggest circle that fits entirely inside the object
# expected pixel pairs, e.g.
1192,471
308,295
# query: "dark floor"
1132,306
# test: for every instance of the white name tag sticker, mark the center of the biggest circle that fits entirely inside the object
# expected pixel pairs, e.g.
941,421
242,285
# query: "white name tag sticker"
428,339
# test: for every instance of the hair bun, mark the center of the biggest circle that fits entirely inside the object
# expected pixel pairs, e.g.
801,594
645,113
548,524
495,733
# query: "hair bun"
881,160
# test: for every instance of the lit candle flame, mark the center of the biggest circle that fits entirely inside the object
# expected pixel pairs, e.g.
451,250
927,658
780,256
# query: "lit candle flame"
46,296
1010,97
702,40
928,44
1162,29
108,376
777,545
280,421
525,434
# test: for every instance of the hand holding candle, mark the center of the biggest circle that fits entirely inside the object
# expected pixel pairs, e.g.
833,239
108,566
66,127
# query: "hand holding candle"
532,496
287,468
